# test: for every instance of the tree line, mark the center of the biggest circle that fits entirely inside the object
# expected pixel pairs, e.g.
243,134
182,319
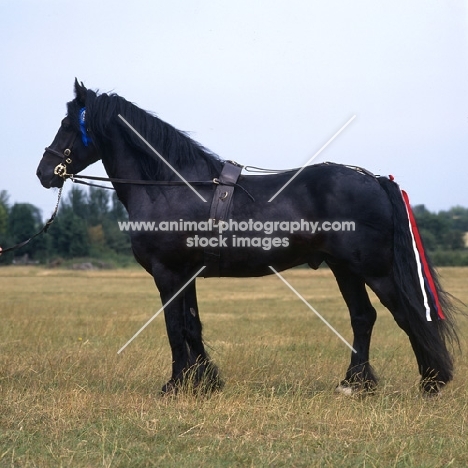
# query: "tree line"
445,234
86,226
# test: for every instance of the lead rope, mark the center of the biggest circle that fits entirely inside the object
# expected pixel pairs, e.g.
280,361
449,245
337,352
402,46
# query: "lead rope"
44,228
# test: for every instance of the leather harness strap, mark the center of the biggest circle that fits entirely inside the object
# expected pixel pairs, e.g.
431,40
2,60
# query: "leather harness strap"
219,210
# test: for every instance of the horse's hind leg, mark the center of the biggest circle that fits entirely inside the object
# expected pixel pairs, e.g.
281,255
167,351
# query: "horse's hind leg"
434,361
360,375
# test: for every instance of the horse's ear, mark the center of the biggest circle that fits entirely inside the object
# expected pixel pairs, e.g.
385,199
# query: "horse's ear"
80,92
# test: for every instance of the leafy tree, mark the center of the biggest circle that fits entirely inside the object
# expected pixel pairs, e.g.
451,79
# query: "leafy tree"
4,197
442,230
24,221
117,211
77,200
87,224
98,200
69,234
116,240
458,217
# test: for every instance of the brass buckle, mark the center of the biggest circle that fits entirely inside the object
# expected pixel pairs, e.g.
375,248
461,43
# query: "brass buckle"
61,170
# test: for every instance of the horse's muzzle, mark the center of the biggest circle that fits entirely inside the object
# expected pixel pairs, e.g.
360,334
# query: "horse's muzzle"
48,178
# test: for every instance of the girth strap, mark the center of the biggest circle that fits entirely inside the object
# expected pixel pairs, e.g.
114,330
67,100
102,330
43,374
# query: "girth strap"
219,211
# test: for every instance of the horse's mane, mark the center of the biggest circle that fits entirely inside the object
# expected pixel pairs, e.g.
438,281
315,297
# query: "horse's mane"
174,145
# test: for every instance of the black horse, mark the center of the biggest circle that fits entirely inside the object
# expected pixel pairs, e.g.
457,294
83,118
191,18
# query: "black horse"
377,252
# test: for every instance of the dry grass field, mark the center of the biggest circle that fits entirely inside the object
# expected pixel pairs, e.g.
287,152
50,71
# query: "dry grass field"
68,399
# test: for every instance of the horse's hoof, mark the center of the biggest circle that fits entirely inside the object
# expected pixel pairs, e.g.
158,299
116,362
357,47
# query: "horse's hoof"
431,388
431,391
171,388
356,389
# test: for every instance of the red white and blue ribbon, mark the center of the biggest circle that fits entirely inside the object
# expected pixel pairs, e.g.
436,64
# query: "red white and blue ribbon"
84,132
424,272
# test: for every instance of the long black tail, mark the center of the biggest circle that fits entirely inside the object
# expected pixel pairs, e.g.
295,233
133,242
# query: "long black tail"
431,339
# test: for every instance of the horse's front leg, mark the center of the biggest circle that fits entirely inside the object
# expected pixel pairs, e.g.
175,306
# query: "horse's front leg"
191,365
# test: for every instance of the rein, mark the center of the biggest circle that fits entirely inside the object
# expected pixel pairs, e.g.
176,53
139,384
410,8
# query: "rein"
44,228
78,179
60,170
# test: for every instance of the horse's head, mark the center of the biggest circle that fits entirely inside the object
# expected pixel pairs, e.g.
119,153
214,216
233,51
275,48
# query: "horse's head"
72,149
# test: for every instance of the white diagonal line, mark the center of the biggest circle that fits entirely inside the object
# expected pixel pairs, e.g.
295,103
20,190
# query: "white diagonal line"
161,309
312,309
312,158
147,143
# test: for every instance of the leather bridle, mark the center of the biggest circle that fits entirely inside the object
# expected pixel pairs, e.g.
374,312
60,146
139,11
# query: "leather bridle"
61,171
61,168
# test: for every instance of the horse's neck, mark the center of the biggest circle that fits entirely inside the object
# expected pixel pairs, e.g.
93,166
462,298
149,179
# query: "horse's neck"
119,162
122,165
119,165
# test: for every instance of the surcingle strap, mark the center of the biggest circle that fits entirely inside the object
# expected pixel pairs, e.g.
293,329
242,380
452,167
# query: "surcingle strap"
424,272
219,210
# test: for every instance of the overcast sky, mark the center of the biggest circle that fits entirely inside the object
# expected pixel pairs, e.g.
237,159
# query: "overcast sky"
264,83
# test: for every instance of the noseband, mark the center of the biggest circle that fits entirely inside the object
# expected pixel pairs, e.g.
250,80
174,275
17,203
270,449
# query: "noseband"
66,160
